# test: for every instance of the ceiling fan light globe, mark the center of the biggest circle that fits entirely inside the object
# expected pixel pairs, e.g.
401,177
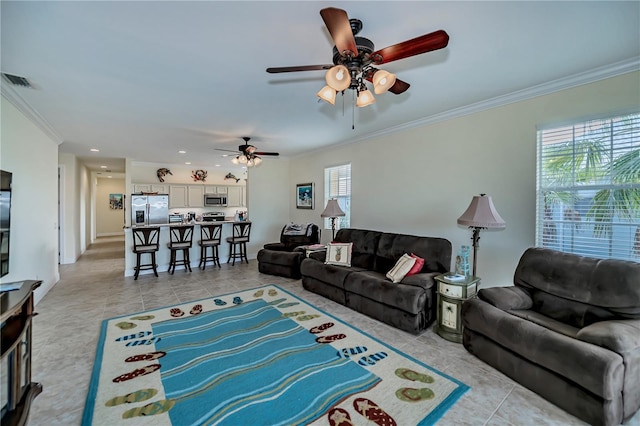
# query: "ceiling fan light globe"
235,160
338,78
243,159
328,95
382,81
257,161
365,98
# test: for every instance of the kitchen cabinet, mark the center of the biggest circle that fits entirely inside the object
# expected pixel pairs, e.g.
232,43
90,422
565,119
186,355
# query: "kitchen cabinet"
215,189
234,196
150,187
177,196
195,196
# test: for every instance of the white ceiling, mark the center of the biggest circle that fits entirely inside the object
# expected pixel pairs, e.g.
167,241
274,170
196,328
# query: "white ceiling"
143,80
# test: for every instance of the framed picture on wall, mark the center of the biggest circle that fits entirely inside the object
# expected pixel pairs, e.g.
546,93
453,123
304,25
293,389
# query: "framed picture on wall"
115,201
304,195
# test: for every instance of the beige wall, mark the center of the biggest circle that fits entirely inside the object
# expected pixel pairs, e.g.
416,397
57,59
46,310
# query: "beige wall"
109,221
32,157
420,180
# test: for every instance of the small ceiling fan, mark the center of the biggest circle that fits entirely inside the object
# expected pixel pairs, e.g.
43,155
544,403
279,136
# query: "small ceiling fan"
354,59
249,155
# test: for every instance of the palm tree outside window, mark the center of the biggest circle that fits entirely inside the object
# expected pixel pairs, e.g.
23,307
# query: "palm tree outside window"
588,188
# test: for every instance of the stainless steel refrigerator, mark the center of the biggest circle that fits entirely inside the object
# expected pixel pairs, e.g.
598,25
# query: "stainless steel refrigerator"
149,209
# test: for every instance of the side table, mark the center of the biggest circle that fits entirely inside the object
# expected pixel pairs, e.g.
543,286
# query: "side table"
451,295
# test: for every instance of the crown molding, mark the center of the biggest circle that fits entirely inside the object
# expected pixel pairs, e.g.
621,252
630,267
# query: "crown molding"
23,106
596,74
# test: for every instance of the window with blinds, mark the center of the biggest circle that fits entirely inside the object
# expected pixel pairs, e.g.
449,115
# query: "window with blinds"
337,184
588,188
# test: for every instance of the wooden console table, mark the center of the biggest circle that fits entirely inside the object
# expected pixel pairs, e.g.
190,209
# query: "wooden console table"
16,389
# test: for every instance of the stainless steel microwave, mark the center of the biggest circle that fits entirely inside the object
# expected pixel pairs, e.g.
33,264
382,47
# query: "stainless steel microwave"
215,200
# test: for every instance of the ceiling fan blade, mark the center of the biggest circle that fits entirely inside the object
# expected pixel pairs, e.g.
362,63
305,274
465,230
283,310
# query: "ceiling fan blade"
267,153
416,46
299,68
225,150
399,87
337,23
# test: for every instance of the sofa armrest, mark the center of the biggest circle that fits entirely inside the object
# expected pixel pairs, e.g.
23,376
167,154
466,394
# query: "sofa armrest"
423,279
506,298
318,255
619,336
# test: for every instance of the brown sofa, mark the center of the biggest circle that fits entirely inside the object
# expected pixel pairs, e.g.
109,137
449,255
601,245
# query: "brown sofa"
568,330
408,305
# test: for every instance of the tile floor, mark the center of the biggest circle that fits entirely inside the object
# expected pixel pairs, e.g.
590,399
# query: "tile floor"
66,330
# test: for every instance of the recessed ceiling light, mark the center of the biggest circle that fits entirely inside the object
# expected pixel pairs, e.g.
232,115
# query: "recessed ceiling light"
188,162
217,165
182,152
94,150
109,177
103,167
225,155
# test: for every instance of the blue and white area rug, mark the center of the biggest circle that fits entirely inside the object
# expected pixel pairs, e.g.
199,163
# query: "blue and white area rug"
257,357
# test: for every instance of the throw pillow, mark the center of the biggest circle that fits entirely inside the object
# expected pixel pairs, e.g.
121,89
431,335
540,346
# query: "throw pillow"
417,266
339,254
400,269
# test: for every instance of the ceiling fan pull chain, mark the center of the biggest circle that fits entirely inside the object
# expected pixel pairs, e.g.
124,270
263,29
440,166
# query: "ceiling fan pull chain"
353,113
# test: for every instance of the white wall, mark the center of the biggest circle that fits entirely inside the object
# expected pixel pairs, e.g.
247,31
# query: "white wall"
70,200
420,180
31,156
108,221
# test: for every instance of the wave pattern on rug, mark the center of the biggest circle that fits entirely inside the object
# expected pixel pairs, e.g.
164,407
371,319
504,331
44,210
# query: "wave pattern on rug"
215,359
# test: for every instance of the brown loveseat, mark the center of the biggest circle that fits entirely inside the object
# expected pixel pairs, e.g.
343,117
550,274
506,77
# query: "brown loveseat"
409,305
568,330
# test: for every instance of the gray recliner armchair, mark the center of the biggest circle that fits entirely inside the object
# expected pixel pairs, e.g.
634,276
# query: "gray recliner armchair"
282,258
568,330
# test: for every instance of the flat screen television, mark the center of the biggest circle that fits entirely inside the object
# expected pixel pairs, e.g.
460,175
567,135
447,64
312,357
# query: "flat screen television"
5,220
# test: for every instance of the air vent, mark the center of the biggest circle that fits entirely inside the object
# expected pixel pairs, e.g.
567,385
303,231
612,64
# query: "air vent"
17,80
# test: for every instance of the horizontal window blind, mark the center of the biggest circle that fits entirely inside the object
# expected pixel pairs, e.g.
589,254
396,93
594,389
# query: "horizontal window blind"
337,184
588,188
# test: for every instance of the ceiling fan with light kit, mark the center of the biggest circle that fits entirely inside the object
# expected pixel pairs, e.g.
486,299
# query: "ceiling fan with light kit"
354,59
249,155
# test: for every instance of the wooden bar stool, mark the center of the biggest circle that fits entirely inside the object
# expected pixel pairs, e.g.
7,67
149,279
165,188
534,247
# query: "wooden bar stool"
146,240
209,238
180,238
238,241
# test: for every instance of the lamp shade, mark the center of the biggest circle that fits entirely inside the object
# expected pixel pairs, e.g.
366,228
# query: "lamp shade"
332,209
327,94
338,78
481,213
382,81
365,98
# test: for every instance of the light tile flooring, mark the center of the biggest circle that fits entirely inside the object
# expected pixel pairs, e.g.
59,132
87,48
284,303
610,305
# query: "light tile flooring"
94,288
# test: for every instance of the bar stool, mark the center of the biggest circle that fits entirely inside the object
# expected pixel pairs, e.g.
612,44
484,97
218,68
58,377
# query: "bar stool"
180,238
238,241
209,237
146,241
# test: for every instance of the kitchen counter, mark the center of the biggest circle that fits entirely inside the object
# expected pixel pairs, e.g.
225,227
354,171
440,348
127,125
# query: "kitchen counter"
163,254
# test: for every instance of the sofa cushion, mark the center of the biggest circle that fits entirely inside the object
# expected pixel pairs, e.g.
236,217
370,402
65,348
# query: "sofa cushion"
597,369
331,274
506,298
619,336
374,286
417,266
401,268
436,252
365,244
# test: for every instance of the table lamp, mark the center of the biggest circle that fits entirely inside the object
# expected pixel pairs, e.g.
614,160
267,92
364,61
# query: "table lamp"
481,214
333,211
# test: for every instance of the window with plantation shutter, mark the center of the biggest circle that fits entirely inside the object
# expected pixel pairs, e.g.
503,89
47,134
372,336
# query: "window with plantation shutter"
337,184
588,188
